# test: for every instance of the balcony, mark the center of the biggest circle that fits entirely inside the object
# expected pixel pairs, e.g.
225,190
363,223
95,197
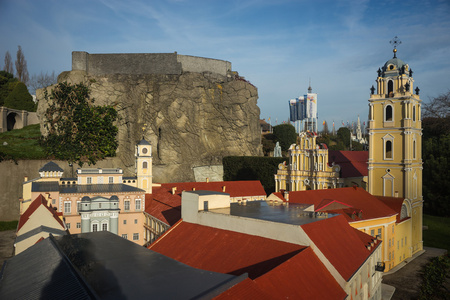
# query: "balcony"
380,267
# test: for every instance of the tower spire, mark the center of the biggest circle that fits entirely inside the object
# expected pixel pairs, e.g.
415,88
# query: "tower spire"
395,41
309,88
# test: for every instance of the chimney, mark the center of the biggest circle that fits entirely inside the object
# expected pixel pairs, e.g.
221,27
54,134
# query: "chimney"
174,189
207,179
25,178
49,201
224,188
396,194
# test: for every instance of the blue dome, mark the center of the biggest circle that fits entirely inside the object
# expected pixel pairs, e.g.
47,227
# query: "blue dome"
393,64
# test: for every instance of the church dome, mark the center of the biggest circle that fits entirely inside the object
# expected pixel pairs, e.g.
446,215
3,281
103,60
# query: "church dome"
393,64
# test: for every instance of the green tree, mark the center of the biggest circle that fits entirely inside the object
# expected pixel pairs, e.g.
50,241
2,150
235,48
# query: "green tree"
436,155
20,98
285,134
343,135
78,131
7,84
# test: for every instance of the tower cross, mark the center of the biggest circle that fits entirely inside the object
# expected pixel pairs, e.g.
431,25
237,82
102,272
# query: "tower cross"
395,42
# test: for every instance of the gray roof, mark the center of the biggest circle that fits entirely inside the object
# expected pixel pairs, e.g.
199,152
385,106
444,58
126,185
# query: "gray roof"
42,272
39,229
99,188
295,214
118,268
143,142
53,186
104,265
51,167
45,186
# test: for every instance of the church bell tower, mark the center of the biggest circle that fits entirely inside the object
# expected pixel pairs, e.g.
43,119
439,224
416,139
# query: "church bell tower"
395,140
144,162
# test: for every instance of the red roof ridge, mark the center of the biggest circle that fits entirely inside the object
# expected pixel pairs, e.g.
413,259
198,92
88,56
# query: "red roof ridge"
165,233
40,200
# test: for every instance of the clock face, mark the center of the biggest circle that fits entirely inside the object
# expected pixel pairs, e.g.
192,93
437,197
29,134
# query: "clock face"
144,150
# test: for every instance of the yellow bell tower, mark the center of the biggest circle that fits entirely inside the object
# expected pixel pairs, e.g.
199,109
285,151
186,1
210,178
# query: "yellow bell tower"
395,140
144,162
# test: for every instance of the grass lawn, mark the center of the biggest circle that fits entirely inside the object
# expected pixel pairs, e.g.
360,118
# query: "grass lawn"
22,143
438,233
8,225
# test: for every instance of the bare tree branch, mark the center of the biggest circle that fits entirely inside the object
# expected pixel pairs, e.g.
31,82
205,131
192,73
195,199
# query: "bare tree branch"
8,63
438,107
41,81
21,67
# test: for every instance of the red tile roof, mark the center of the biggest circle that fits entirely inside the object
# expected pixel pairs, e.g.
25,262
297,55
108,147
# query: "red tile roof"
244,290
353,163
301,277
165,206
40,200
223,251
356,199
394,203
343,245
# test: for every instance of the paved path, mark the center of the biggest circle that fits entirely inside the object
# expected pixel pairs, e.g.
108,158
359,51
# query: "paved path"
6,245
406,278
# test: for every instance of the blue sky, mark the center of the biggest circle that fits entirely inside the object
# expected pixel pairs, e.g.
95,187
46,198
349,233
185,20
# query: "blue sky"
277,45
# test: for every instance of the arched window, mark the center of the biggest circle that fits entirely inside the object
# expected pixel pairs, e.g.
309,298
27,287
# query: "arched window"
414,113
414,149
404,212
388,113
390,88
144,165
388,150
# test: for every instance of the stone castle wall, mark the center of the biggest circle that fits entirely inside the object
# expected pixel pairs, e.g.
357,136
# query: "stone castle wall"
146,63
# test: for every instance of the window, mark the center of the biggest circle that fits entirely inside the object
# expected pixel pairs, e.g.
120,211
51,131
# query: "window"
67,207
379,232
127,205
78,206
414,149
372,232
388,150
402,243
388,113
111,179
100,179
135,221
414,113
389,243
105,227
135,236
124,222
53,201
78,225
405,240
99,205
89,180
68,225
390,88
144,150
392,228
144,165
94,227
125,236
138,204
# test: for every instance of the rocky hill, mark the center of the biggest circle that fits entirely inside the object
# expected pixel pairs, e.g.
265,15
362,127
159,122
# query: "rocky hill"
192,119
